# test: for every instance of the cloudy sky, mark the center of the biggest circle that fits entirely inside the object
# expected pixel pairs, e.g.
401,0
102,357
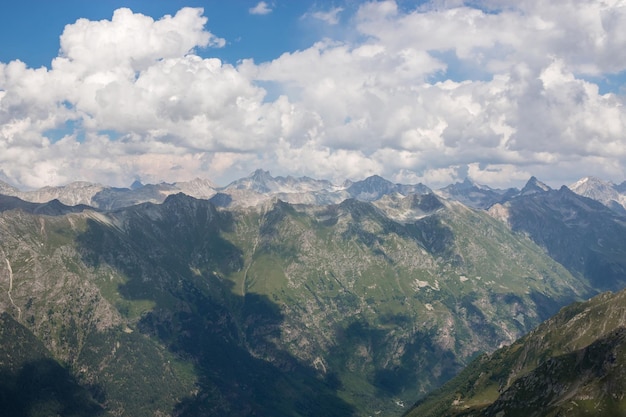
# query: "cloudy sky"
498,90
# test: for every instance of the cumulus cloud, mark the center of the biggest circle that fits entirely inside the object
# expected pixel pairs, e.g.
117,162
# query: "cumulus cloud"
261,8
498,91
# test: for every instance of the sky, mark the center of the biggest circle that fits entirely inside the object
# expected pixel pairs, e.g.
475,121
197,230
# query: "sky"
114,91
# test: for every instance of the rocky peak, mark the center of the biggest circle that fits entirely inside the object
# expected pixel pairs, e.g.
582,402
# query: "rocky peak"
588,186
476,195
6,189
534,186
198,187
137,184
374,187
259,181
603,191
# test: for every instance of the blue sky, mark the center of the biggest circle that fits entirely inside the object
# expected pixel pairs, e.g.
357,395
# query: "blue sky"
416,91
30,29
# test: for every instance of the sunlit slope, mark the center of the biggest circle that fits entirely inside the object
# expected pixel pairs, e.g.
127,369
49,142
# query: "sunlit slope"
572,365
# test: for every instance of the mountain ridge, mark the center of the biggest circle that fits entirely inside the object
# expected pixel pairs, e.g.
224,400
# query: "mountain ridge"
261,186
572,364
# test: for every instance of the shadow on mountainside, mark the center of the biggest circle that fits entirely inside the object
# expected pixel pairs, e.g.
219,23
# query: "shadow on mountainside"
174,256
43,388
32,383
582,234
391,380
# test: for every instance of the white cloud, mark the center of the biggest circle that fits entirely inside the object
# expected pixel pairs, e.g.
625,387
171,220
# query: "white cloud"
391,96
331,16
262,8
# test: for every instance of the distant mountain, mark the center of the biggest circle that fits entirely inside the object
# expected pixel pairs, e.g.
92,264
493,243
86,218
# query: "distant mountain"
572,365
6,189
50,208
534,186
260,187
375,187
262,182
410,208
621,188
605,192
111,198
581,234
255,189
475,195
71,194
197,188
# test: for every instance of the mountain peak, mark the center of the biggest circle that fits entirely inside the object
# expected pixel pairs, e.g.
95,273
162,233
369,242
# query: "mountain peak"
259,181
371,188
7,189
376,178
587,184
137,184
589,180
261,174
534,186
467,183
603,191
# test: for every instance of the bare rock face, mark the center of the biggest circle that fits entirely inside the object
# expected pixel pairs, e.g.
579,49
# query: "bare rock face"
500,212
606,192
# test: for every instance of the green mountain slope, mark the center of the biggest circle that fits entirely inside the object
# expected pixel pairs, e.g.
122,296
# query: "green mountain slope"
572,365
348,309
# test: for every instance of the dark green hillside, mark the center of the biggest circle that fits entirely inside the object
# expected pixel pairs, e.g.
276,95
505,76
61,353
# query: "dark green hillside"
572,365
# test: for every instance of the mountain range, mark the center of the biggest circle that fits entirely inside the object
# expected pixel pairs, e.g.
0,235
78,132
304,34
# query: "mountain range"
260,186
282,296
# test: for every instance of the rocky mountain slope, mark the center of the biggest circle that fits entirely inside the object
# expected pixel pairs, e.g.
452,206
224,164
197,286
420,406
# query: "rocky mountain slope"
611,195
476,195
257,188
344,309
260,186
572,365
581,234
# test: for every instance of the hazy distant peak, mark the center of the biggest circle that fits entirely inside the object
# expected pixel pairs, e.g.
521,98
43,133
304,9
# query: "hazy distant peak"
591,183
136,185
468,183
374,187
7,189
261,174
534,186
603,191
